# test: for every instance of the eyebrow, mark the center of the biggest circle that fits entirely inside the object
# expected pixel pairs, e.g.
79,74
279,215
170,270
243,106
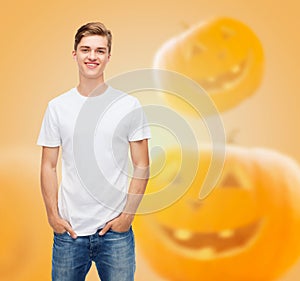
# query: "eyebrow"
88,47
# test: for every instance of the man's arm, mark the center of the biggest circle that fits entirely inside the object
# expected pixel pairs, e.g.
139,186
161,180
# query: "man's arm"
49,187
137,187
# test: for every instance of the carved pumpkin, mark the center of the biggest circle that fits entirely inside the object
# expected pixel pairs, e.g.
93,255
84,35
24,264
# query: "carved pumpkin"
247,229
223,55
25,235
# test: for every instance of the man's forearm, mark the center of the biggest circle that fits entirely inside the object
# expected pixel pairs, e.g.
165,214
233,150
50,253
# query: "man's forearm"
49,187
136,189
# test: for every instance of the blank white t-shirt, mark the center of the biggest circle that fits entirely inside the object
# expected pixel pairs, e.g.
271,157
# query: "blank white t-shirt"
87,201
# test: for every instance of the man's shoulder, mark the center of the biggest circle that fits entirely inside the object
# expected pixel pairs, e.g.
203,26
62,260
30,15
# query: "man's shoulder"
121,95
62,98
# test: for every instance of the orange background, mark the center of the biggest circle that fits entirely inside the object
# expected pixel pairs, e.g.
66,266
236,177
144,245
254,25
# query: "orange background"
36,65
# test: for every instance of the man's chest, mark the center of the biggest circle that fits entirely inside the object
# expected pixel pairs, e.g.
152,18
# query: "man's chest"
108,124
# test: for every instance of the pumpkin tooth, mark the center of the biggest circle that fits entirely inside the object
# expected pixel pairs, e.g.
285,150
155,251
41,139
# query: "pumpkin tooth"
227,86
227,233
182,234
236,69
207,253
211,79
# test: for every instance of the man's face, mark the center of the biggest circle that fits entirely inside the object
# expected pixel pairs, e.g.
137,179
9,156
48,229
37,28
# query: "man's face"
92,56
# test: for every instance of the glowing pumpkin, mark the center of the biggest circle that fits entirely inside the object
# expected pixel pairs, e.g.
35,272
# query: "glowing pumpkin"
223,55
26,237
247,229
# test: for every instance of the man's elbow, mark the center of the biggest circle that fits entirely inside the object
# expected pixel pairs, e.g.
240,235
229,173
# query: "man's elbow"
141,171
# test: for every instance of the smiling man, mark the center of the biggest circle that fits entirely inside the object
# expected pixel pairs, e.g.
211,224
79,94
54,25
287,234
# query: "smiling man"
86,228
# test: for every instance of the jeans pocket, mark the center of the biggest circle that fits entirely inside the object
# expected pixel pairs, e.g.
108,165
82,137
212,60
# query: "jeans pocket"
119,232
60,234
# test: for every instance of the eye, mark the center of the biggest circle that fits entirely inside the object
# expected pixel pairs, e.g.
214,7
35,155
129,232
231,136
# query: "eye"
230,180
195,49
101,51
178,179
198,49
84,50
227,32
235,178
195,204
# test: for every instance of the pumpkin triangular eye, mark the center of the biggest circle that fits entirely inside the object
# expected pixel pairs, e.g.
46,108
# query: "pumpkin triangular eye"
235,176
198,48
230,180
227,32
194,50
194,204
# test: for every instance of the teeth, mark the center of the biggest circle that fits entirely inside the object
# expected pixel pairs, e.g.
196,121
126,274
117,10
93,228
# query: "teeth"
211,79
236,69
182,234
206,253
226,233
227,86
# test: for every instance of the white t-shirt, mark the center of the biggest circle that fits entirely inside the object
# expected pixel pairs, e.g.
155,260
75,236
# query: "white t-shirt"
94,133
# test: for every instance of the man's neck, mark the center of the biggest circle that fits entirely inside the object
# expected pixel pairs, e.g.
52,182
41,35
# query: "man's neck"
91,87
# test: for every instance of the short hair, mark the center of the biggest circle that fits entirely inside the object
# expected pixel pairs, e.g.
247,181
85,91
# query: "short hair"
93,28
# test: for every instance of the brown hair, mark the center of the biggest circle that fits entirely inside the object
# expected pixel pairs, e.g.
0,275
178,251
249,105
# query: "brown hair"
93,28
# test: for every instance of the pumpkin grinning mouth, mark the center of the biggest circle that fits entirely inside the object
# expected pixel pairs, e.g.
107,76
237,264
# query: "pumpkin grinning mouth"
211,244
225,80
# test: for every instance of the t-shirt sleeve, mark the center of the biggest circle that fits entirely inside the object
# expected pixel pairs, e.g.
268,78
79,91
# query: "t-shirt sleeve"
49,133
139,127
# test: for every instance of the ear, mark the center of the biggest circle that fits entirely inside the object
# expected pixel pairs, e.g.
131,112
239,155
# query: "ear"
74,55
109,55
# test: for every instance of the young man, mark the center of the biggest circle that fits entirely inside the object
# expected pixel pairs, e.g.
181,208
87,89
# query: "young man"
85,228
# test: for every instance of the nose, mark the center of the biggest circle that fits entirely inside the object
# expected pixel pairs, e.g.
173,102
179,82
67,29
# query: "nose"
92,55
222,54
194,204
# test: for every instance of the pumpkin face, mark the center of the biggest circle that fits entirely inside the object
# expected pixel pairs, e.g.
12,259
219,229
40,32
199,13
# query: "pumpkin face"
223,55
246,229
25,235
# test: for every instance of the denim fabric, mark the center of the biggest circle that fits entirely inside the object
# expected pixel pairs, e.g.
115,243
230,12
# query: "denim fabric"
113,254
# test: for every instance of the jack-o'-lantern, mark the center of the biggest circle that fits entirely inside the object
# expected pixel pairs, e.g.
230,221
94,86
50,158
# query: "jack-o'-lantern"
223,55
247,228
25,245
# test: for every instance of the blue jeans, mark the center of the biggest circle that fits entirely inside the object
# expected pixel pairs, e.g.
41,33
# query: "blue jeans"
113,254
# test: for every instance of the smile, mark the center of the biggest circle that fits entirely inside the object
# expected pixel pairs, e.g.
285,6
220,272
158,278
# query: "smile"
210,245
91,65
225,80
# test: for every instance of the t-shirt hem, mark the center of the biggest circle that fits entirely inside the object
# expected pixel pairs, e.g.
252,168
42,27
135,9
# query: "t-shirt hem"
55,144
88,233
140,138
